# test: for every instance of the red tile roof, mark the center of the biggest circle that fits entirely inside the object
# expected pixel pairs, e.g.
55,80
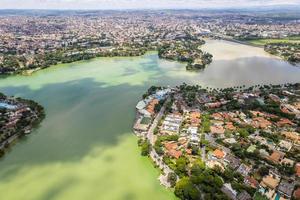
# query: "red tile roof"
219,153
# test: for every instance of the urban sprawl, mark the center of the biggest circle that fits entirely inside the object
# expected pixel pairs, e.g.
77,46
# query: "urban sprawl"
31,42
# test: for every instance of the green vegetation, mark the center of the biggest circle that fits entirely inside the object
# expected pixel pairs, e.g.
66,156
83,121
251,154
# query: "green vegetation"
259,196
158,106
186,51
19,121
172,178
287,51
146,120
271,136
158,147
151,90
185,189
262,42
205,121
145,147
181,166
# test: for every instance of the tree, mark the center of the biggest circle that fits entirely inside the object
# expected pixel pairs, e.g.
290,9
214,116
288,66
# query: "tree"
181,166
243,132
185,189
172,178
196,170
146,147
263,171
158,147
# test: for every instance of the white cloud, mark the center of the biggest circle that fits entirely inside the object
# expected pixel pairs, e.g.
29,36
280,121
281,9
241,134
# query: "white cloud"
135,4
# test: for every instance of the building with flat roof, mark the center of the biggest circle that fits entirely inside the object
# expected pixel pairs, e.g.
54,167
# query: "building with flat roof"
286,188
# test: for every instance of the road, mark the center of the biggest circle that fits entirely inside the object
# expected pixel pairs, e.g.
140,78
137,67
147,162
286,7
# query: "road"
154,156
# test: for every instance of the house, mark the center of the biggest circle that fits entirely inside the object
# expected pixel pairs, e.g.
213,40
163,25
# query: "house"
285,145
195,118
142,124
251,182
297,169
276,157
217,116
297,193
141,105
193,135
171,124
292,136
244,196
151,106
172,149
232,161
213,164
219,154
260,122
244,169
217,129
229,191
251,148
230,140
286,188
284,122
270,182
230,126
287,161
263,153
213,105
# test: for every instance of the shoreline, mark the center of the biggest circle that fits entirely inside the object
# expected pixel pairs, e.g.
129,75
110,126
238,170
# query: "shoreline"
22,119
30,72
211,149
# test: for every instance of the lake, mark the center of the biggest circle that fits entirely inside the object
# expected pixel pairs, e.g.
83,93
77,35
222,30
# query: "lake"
85,149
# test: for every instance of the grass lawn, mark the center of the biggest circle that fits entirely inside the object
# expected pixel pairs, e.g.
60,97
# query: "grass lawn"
262,42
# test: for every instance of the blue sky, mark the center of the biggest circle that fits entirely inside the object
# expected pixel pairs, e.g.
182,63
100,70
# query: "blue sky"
139,4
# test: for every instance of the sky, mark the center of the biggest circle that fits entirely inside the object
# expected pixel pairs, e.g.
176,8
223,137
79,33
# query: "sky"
139,4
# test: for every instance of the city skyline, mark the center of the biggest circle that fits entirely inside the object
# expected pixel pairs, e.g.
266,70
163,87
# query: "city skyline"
140,4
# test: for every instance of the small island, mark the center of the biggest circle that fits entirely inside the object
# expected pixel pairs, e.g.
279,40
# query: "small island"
231,143
18,117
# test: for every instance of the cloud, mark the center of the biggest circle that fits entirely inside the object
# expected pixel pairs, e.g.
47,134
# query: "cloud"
136,4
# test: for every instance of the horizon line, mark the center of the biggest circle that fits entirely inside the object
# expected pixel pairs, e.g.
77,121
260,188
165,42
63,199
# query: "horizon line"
285,6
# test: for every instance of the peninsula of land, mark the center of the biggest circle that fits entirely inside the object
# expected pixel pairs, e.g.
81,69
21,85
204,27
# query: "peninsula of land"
18,117
232,143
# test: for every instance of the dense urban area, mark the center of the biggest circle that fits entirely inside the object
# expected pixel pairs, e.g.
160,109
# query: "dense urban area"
29,42
232,143
208,143
17,118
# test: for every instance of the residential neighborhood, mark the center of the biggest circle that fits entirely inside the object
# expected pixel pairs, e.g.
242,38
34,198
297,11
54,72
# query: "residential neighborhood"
17,118
246,139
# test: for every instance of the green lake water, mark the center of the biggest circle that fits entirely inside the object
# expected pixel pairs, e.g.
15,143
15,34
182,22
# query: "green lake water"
85,149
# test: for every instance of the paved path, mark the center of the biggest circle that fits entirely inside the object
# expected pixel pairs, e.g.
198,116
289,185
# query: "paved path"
154,156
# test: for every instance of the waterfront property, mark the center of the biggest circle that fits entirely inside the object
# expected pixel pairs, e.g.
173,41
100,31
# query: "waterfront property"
17,118
90,116
237,143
